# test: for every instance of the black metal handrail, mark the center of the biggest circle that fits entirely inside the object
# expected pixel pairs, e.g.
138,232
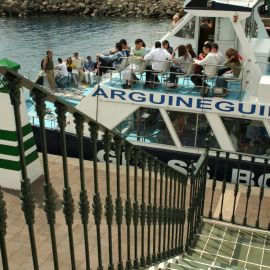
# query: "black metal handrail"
162,205
144,212
229,168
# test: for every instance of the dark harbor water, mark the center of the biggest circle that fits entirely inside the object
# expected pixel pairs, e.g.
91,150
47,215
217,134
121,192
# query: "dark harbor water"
25,40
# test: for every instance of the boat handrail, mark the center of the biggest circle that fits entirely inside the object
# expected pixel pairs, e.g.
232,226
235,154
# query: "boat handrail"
235,155
51,119
135,58
136,66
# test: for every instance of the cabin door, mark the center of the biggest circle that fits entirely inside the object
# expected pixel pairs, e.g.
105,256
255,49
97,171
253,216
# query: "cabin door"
225,35
207,32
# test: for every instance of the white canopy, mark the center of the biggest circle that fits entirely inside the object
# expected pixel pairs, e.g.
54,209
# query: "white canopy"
225,3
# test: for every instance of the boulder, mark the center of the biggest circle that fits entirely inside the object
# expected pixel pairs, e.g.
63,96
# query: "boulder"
24,5
10,9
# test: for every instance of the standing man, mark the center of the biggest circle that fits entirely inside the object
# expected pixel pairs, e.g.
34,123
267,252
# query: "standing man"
78,63
48,68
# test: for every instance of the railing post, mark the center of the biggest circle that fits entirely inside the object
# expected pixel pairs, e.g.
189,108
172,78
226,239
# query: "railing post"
165,212
155,211
190,214
118,202
27,199
174,214
49,196
109,210
3,226
236,189
257,223
143,211
84,205
248,191
224,186
214,184
136,209
160,213
128,205
149,212
169,242
97,205
182,213
204,178
68,202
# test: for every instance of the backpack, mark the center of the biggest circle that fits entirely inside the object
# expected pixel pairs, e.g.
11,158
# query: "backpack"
41,64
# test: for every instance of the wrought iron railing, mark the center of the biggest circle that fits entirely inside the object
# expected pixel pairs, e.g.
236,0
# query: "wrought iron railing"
144,205
161,209
235,171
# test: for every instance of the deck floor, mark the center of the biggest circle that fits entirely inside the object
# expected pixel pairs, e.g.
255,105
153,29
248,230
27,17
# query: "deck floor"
232,246
184,87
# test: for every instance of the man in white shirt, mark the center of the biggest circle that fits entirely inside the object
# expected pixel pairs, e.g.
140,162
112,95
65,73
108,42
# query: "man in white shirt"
158,56
216,52
210,65
78,63
62,77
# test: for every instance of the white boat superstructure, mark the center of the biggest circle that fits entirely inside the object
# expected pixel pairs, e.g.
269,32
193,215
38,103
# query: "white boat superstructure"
180,119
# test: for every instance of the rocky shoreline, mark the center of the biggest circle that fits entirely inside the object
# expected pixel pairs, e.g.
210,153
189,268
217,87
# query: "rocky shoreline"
120,8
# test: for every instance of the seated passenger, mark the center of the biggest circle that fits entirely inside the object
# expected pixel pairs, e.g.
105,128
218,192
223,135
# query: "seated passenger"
209,64
78,63
233,69
111,61
125,47
166,46
158,57
89,65
137,54
62,78
191,51
216,52
180,64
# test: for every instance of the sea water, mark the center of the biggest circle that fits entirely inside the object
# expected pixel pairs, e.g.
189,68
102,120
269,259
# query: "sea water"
25,40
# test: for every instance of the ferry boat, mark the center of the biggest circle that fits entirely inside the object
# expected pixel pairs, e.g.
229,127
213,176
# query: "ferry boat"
173,124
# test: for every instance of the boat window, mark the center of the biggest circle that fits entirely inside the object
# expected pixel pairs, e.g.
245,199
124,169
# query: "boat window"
188,30
192,129
145,125
248,136
207,31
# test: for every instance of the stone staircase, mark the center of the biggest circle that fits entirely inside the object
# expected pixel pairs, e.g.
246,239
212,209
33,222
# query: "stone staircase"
223,246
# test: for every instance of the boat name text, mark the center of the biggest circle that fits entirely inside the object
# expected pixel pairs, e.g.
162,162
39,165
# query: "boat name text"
174,101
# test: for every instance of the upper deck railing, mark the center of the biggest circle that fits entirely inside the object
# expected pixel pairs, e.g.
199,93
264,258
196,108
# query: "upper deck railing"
138,68
154,210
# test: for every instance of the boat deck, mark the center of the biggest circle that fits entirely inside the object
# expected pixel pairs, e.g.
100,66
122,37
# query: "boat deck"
72,96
